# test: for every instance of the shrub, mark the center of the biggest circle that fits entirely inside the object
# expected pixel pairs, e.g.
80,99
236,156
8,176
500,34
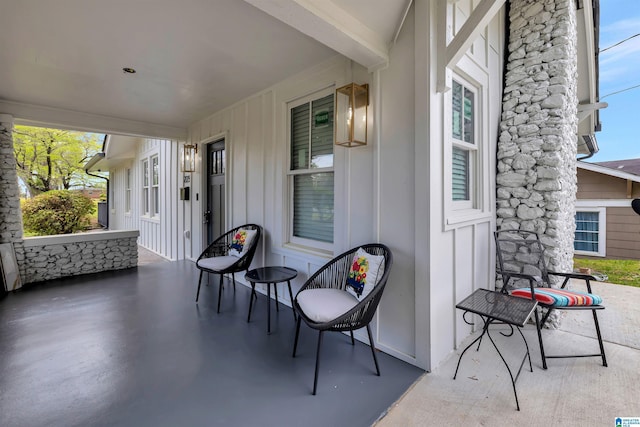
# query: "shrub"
57,212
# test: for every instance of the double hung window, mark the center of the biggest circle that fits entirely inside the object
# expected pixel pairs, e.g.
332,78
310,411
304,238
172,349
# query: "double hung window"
127,190
464,146
145,187
151,187
155,187
311,175
590,232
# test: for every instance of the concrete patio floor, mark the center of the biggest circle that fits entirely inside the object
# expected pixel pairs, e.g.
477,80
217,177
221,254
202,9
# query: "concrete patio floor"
571,392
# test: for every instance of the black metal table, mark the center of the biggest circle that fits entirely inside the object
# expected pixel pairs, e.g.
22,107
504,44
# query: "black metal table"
270,276
494,306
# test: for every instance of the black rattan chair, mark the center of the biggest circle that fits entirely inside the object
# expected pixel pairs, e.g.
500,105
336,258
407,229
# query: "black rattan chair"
333,276
522,265
216,259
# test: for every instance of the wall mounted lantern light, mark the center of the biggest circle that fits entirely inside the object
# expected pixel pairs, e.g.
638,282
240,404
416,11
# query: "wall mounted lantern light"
350,124
189,152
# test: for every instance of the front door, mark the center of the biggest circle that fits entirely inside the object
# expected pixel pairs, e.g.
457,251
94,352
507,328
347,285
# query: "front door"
214,215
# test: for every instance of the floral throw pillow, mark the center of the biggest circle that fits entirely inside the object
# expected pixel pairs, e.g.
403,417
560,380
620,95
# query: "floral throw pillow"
364,273
241,242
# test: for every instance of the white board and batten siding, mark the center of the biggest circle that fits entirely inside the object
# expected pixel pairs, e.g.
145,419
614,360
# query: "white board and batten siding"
391,190
257,165
455,251
161,233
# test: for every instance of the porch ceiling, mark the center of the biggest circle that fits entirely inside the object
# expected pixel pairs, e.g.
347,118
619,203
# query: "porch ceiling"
64,59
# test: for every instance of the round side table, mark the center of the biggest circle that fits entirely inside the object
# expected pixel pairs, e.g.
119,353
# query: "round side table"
270,276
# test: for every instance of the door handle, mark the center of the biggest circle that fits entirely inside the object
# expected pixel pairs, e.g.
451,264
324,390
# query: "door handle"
206,217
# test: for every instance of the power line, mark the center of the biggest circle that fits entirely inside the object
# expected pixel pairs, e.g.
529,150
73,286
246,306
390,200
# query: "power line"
619,43
620,91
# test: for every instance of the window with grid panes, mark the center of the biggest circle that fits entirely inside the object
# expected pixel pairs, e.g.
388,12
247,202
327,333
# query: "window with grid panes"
127,185
589,238
145,187
311,171
155,187
463,144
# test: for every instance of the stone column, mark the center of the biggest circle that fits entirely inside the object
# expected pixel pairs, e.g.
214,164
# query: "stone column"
10,213
536,181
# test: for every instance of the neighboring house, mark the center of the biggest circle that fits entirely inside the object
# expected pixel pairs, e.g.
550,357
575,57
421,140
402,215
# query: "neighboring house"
606,225
425,184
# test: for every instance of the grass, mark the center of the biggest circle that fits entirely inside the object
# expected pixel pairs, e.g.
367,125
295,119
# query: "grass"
620,271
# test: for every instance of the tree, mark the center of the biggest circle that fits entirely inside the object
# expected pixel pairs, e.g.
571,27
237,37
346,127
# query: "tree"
53,159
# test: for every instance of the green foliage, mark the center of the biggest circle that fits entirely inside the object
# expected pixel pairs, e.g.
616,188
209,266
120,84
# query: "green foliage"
620,271
53,159
57,212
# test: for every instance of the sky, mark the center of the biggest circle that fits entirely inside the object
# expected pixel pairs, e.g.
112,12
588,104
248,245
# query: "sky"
619,70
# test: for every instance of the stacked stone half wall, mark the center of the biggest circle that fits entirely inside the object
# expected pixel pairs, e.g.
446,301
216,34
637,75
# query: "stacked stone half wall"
51,257
536,181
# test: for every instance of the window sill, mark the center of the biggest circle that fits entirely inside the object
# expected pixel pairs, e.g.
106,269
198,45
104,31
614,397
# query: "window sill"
585,253
457,219
154,219
322,254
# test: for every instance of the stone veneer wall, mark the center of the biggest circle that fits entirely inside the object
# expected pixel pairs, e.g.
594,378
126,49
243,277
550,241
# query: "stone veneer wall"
536,181
52,257
10,212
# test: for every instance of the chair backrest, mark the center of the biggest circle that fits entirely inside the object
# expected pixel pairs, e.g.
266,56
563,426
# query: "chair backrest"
520,252
225,241
334,275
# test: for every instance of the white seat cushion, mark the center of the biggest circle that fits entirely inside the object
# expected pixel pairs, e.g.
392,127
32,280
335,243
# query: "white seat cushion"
325,304
217,263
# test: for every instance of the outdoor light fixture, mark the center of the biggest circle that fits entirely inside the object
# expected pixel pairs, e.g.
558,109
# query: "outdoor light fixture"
189,152
351,115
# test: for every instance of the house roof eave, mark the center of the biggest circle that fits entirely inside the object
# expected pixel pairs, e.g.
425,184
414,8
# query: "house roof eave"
608,171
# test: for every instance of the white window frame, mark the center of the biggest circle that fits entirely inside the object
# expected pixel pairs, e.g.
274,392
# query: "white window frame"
154,201
290,238
477,208
127,191
471,148
602,230
146,190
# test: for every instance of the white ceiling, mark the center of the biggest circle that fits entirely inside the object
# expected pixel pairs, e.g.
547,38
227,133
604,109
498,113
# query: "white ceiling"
193,57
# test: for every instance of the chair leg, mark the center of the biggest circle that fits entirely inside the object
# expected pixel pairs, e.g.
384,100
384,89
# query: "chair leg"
353,342
199,283
595,320
315,378
373,350
295,342
233,278
539,329
220,292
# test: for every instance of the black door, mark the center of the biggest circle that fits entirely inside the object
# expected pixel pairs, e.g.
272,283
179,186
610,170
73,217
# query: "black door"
214,215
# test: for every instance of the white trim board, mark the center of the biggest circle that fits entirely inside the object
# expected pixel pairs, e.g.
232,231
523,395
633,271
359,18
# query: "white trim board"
608,203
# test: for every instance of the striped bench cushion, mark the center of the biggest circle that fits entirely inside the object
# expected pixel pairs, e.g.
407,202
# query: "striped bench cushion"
558,297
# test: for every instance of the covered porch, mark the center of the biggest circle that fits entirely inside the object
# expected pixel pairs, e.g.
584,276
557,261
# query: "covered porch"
132,348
